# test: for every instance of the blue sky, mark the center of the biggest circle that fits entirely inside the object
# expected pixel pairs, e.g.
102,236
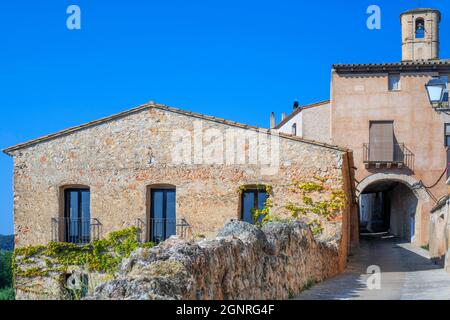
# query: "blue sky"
234,59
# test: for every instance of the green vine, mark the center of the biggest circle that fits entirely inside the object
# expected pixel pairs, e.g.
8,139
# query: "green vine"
262,216
260,187
102,255
323,209
316,227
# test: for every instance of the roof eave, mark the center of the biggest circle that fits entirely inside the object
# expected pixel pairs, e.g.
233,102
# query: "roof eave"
411,66
300,109
43,139
70,130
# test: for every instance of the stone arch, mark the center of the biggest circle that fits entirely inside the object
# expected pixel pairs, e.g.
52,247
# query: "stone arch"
412,183
421,203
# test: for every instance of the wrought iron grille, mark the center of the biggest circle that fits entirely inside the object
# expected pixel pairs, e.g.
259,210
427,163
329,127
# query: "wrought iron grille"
397,154
160,229
75,230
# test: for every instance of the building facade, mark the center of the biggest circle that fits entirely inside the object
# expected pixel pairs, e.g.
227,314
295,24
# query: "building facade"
167,171
382,113
302,122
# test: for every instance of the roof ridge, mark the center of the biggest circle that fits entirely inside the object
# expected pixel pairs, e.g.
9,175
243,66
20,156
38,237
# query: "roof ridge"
300,109
152,104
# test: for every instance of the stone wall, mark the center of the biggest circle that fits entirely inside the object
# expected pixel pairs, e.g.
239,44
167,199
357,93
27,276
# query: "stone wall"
66,271
403,208
120,159
243,262
439,245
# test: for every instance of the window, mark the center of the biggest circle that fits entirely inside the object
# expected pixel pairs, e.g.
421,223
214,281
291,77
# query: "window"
394,82
445,78
77,216
447,134
420,28
381,137
163,222
294,129
252,199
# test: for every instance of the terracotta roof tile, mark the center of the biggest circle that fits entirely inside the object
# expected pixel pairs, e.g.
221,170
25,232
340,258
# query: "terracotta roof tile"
421,65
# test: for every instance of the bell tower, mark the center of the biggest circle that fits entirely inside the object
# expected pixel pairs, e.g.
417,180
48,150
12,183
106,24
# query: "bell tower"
420,34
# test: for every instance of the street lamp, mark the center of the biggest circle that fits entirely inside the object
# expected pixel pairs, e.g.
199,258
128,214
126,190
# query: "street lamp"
436,91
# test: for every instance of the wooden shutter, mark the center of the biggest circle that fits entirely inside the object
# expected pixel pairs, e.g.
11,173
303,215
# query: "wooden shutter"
381,141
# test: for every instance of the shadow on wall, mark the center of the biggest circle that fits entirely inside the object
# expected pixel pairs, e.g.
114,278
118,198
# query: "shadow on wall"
391,254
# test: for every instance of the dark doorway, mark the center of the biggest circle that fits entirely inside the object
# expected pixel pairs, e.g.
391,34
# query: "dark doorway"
77,216
163,222
388,206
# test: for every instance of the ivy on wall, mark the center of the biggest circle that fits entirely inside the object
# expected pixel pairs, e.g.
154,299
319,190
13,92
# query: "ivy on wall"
311,206
323,209
102,255
261,216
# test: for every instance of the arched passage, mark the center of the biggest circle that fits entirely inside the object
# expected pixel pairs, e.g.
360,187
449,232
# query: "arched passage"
391,203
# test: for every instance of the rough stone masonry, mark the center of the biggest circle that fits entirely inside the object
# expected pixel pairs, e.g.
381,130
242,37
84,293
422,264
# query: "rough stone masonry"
243,262
120,158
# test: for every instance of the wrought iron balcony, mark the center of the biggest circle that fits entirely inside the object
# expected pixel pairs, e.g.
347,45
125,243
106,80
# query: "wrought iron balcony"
389,155
75,230
160,229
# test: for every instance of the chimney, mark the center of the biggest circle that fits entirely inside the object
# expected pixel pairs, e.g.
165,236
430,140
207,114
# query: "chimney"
272,120
283,116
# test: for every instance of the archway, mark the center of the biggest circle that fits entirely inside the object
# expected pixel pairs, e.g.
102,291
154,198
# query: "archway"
391,203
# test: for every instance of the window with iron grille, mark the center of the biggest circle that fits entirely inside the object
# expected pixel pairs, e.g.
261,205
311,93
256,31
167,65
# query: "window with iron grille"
163,222
77,216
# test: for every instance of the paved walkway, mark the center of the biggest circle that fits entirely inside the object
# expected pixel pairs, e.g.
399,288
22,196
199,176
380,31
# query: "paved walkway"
406,274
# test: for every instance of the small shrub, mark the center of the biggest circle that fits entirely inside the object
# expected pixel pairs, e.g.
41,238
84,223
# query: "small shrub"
7,294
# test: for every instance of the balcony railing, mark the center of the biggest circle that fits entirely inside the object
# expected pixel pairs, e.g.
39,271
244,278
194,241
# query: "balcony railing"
382,154
75,230
160,229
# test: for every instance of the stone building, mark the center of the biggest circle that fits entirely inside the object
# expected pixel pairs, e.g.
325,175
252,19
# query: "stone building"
382,113
167,171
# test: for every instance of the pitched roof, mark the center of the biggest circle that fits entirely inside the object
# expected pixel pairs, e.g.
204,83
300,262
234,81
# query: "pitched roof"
298,110
170,109
417,65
